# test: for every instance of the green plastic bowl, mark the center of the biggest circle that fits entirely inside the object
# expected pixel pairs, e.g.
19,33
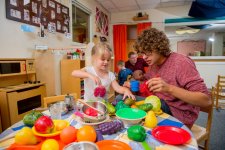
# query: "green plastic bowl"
131,116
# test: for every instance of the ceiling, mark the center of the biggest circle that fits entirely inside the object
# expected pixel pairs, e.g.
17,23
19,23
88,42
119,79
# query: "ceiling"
215,27
134,5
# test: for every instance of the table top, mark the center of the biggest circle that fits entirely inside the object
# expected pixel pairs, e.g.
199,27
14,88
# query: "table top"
163,119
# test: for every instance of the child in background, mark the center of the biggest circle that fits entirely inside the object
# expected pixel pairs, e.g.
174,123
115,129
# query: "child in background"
123,72
99,75
139,75
143,89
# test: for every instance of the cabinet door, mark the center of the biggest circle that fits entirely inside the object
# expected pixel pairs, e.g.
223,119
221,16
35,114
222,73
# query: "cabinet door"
70,84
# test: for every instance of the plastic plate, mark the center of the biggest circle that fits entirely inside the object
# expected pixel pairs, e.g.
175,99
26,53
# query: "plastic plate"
54,133
171,135
113,145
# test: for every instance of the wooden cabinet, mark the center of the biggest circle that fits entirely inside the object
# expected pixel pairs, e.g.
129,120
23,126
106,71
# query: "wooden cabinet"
48,70
0,123
70,84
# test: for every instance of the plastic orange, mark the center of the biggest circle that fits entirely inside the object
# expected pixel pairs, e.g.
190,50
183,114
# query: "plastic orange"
86,133
68,135
133,106
50,144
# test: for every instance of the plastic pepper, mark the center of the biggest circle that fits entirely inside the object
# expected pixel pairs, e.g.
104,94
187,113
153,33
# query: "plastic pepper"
144,90
136,133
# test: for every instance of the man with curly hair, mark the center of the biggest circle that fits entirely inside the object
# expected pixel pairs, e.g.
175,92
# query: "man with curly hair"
172,77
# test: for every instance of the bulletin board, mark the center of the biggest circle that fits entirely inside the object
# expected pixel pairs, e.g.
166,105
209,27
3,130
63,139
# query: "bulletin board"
49,13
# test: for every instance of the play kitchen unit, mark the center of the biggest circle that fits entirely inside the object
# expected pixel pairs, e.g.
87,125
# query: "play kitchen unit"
20,92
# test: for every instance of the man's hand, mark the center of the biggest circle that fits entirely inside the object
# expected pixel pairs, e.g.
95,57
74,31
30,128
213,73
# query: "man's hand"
158,85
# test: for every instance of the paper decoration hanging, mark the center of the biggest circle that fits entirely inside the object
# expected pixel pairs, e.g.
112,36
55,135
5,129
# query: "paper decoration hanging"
102,22
47,12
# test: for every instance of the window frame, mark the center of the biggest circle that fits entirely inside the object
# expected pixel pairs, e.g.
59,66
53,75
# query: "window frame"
86,10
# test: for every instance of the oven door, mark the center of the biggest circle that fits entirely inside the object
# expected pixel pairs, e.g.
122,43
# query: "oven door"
23,101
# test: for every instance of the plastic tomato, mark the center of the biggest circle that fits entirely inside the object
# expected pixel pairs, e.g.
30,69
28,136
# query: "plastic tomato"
86,133
91,112
50,144
68,135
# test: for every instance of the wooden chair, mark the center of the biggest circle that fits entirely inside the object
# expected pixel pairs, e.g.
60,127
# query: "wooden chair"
202,134
53,99
0,123
220,89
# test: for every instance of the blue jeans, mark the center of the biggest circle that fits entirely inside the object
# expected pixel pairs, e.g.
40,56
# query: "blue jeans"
165,108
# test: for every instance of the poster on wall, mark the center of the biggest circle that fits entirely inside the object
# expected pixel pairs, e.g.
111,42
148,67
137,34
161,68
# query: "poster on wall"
102,22
50,13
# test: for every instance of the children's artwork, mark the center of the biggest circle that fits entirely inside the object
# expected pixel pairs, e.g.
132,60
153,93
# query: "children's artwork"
102,22
27,28
50,13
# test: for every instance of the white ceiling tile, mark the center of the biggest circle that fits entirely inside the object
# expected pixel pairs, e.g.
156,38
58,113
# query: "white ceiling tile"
128,8
102,0
124,3
108,4
128,5
143,2
172,3
148,6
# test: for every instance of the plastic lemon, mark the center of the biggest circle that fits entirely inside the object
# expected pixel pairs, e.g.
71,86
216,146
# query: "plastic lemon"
150,120
50,144
159,112
60,125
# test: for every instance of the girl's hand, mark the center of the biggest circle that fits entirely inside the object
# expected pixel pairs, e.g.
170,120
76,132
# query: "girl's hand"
127,93
158,85
95,79
126,84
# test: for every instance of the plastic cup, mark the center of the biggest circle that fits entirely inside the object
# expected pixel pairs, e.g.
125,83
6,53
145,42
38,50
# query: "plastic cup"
134,85
55,111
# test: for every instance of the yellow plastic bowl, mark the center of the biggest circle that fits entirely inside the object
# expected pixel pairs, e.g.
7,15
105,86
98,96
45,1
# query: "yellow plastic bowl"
54,133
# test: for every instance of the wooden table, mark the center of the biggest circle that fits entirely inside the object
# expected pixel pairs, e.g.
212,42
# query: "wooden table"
163,119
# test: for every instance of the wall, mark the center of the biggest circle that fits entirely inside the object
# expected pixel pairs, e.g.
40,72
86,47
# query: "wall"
205,36
217,44
209,70
18,44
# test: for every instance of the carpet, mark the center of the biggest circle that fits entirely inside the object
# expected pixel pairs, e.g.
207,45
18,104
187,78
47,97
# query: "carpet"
217,136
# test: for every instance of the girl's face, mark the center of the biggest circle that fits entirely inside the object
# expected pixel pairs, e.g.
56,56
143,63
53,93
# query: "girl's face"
102,62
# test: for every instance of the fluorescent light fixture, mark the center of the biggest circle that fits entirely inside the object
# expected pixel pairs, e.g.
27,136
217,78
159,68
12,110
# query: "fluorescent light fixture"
191,31
186,30
211,39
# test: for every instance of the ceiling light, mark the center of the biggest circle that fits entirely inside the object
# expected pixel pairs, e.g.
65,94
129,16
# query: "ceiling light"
211,39
193,31
180,31
186,30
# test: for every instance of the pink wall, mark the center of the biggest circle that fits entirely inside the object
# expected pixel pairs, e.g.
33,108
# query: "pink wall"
189,47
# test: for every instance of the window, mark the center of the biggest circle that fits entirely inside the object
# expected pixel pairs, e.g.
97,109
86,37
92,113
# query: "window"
80,23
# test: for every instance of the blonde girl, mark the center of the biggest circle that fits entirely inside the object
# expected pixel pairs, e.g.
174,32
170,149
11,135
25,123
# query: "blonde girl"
99,74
